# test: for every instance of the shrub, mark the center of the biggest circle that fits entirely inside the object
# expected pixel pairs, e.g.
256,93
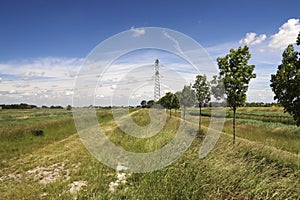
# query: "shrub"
38,132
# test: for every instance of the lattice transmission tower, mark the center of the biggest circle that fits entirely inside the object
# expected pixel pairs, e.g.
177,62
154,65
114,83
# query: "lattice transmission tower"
156,81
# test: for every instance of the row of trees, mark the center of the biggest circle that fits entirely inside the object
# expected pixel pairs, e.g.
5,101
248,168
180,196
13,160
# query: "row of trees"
235,75
27,106
233,81
17,106
231,84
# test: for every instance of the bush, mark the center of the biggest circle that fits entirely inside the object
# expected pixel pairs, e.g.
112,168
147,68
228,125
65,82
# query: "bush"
38,132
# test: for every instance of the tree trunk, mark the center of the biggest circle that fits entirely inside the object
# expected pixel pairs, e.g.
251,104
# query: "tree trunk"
234,124
199,117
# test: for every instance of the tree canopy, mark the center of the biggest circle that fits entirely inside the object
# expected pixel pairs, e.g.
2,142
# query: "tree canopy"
143,103
169,101
286,82
187,97
235,74
202,89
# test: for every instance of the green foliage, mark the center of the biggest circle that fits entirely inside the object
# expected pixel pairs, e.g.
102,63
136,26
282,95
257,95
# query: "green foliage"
56,107
69,107
217,87
38,132
187,97
286,82
150,103
298,39
202,89
17,106
235,73
147,104
169,101
143,103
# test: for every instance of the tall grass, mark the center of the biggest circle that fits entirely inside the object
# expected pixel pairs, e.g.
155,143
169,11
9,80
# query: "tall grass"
11,118
228,172
17,140
280,136
135,144
252,125
246,170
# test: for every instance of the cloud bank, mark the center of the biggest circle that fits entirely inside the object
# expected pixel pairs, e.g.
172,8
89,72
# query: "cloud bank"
50,80
287,34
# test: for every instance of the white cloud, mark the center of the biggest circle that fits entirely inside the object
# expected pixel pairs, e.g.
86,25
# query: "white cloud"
100,96
12,92
136,32
69,92
253,39
113,87
32,80
286,35
42,67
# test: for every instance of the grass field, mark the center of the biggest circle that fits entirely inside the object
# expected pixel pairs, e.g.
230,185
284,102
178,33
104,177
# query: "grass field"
264,125
263,164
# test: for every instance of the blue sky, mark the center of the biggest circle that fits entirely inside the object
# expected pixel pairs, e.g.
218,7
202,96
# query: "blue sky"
50,39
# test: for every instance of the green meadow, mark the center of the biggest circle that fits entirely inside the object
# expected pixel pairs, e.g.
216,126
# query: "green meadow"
263,164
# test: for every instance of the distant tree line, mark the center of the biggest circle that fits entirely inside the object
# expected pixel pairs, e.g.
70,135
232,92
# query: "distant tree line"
17,106
28,106
261,104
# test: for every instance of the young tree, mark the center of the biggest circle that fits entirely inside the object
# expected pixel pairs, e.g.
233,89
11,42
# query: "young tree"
235,75
202,90
143,103
150,103
187,98
286,82
169,101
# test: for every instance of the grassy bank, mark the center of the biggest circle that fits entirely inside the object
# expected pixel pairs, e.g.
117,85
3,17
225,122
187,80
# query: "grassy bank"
64,169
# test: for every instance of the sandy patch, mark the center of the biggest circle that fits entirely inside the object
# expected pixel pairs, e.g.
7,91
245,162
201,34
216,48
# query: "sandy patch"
51,173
